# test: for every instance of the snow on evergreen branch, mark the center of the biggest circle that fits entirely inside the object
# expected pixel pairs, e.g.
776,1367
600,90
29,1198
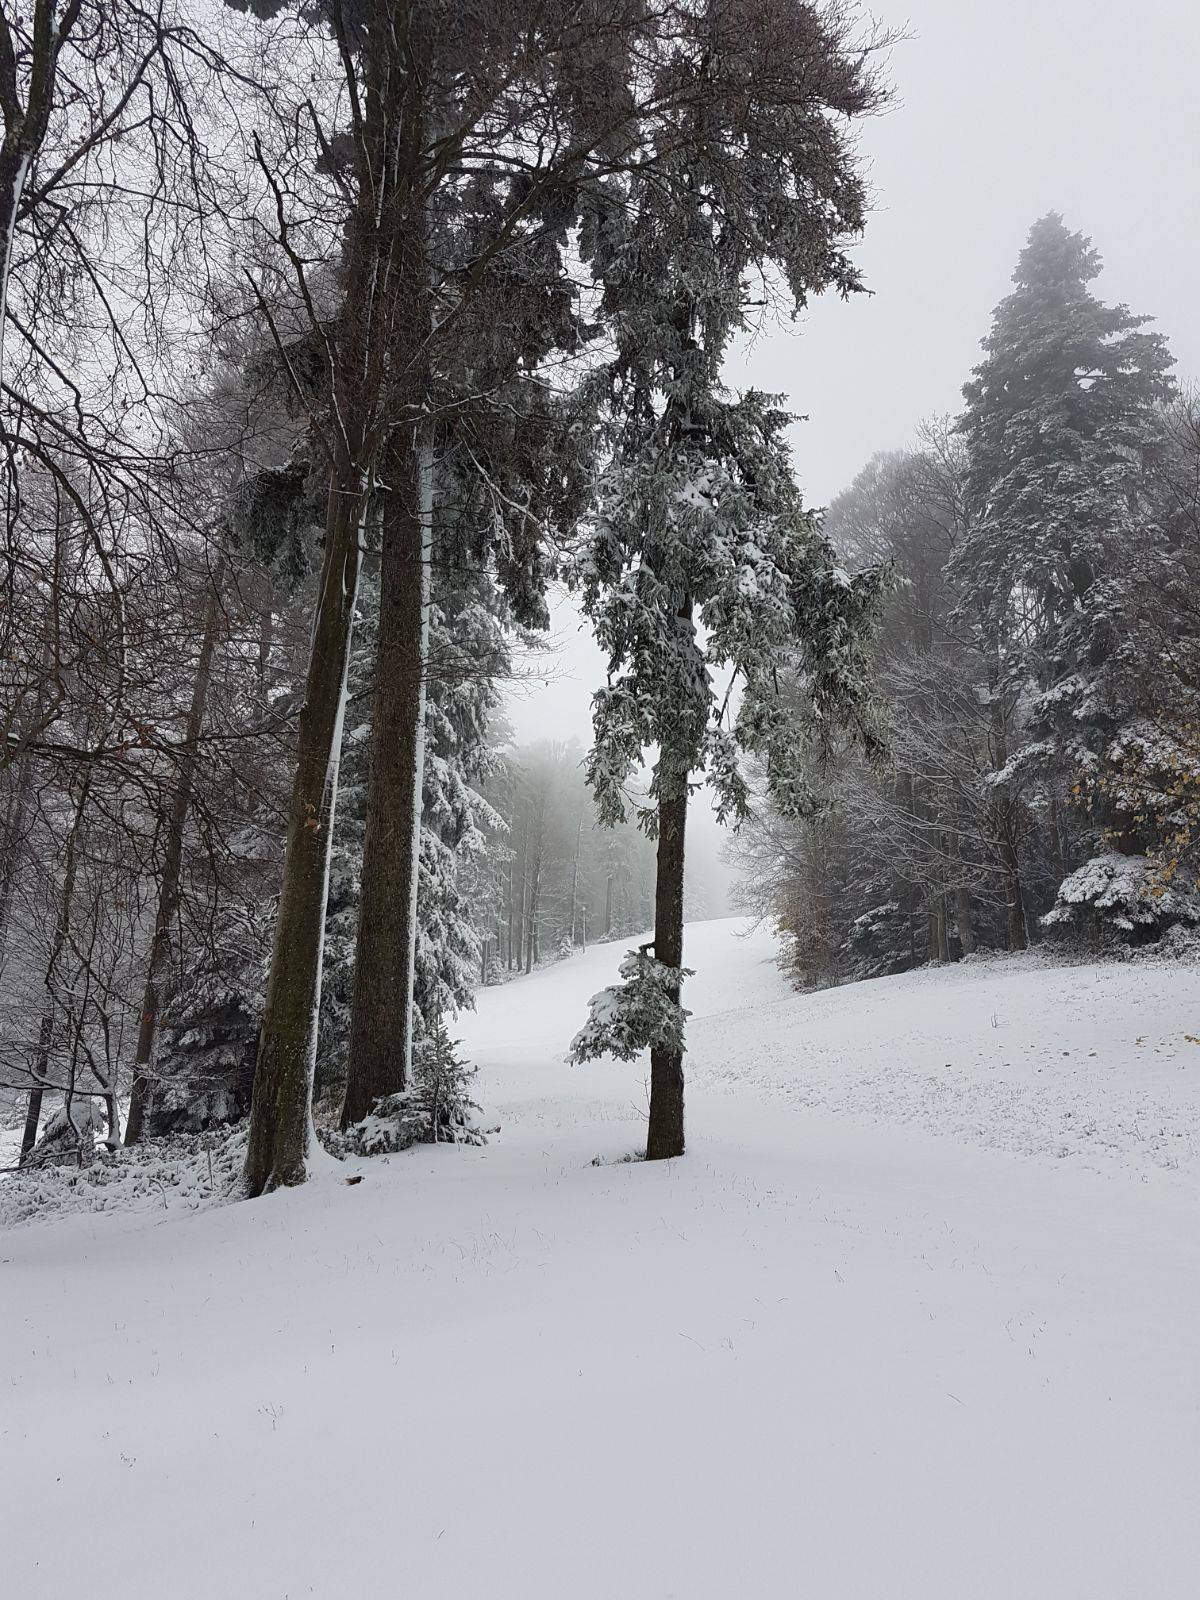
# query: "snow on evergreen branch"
641,1013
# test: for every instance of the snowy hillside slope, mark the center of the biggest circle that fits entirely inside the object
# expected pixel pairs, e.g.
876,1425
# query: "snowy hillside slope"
1100,1062
870,1340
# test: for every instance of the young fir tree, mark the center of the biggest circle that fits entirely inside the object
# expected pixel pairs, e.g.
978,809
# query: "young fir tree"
701,560
1062,425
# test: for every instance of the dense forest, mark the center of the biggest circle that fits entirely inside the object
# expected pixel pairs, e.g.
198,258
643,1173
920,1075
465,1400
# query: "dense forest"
1039,659
334,336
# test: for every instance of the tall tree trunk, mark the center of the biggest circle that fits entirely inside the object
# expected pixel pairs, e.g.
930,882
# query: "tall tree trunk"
381,1031
17,811
15,815
361,356
25,123
33,1111
512,909
266,640
1002,810
1011,872
62,928
664,1136
379,1060
168,888
535,899
575,876
962,914
1057,854
281,1105
519,940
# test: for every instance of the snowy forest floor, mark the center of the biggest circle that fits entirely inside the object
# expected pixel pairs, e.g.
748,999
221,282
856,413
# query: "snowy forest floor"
915,1317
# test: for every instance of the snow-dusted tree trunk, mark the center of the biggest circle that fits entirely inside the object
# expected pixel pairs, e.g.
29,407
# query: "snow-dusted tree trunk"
15,817
381,1029
514,917
26,122
366,375
14,826
62,929
962,915
537,827
575,876
1011,869
664,1135
381,1035
168,888
1003,817
281,1114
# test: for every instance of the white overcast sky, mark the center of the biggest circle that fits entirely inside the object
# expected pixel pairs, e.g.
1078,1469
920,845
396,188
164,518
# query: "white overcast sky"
1003,111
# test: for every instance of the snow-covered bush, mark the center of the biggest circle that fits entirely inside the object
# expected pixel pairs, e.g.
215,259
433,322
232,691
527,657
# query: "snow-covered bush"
641,1013
69,1137
189,1171
878,943
436,1108
203,1070
1122,895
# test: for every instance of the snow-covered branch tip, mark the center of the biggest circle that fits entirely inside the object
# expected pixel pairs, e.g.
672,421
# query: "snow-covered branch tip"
640,1013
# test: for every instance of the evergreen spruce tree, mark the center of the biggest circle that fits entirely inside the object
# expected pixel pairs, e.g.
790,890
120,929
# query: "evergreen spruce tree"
204,1069
467,659
701,558
1062,426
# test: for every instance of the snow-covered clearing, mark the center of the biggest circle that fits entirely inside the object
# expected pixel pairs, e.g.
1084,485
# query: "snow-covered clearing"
916,1317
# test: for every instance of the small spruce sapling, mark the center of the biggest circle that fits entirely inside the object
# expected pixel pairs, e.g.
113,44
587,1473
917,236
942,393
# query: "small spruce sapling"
640,1012
436,1108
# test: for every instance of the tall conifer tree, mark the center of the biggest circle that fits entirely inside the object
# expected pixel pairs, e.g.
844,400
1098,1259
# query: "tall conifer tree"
702,561
1062,426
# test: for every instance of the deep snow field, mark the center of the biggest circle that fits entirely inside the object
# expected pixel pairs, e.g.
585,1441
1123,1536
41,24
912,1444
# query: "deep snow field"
917,1316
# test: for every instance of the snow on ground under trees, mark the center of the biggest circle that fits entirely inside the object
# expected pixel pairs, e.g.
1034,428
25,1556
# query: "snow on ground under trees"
916,1316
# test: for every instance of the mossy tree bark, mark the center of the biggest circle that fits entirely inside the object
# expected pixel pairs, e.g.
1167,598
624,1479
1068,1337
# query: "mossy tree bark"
361,367
280,1115
381,1034
381,1030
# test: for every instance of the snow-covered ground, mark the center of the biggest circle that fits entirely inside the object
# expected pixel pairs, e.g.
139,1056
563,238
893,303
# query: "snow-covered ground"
916,1317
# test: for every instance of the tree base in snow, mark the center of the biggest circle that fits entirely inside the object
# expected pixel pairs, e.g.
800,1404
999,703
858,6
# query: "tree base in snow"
436,1109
